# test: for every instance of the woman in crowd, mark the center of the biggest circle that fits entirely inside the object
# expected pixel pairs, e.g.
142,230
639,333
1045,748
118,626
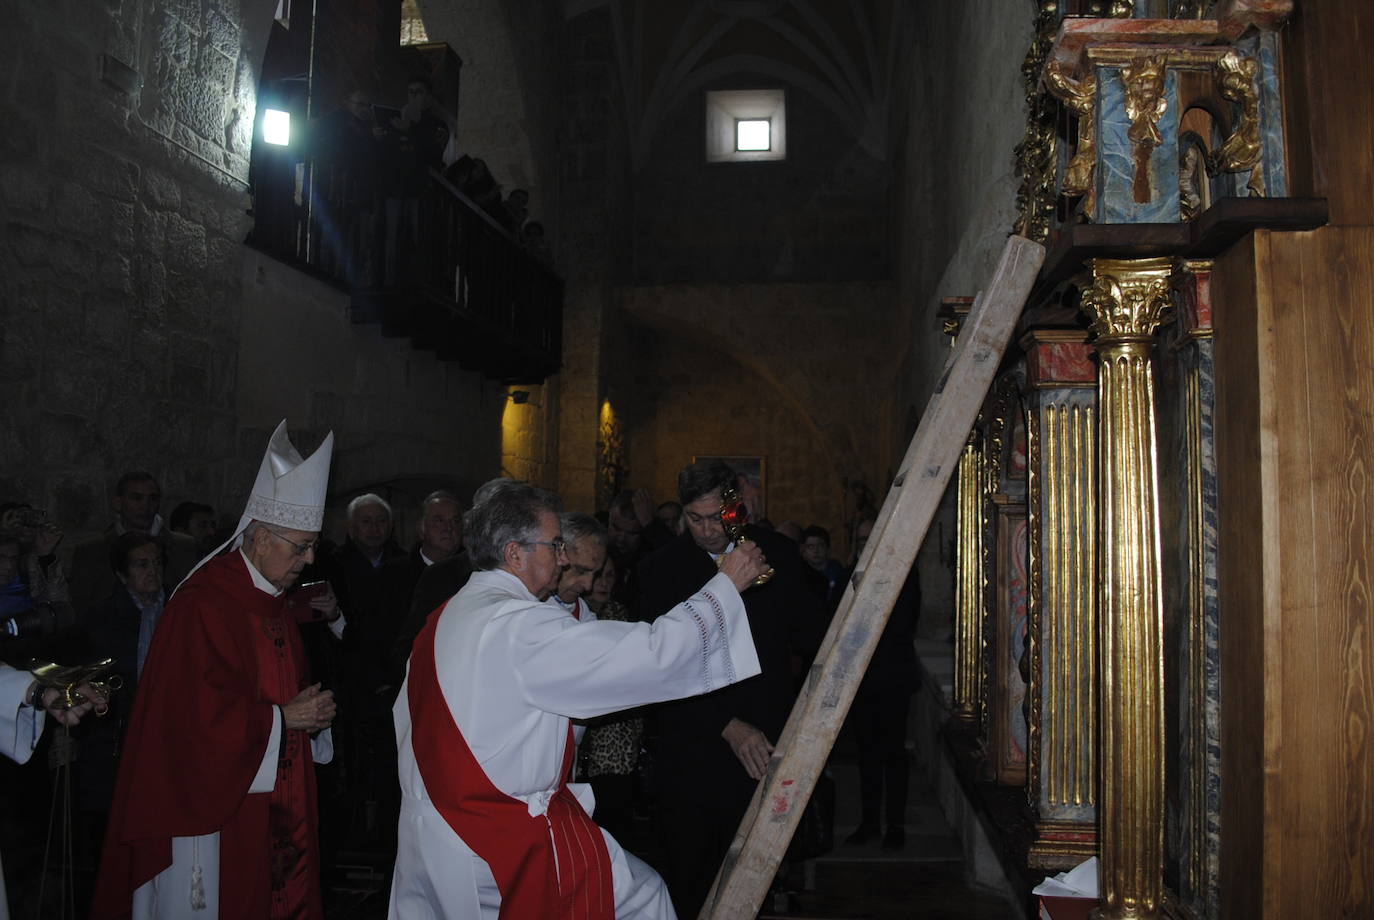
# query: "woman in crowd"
609,753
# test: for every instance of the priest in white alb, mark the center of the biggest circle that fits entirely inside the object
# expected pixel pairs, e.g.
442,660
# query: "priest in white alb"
490,826
214,808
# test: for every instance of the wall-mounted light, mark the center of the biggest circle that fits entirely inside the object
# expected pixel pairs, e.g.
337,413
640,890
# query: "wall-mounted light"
276,127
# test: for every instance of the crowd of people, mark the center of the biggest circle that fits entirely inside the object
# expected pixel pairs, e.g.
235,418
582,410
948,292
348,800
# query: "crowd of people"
512,653
373,164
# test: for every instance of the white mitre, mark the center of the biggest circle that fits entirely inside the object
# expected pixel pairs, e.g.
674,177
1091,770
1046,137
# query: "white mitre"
289,491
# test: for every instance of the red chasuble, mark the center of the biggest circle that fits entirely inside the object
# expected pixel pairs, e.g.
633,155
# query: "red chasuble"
550,865
223,652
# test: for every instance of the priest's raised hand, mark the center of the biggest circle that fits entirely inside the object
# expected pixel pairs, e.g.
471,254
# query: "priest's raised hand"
743,565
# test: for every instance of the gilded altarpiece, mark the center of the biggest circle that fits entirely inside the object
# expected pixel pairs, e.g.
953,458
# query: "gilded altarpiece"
1154,140
1005,652
1061,411
968,585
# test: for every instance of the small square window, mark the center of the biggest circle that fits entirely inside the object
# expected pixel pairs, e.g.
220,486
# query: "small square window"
746,126
753,134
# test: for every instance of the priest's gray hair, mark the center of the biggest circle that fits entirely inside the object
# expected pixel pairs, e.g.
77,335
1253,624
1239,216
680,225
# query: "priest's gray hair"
503,514
578,526
369,498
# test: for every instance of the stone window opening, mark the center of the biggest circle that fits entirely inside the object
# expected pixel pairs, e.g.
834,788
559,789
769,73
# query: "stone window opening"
745,126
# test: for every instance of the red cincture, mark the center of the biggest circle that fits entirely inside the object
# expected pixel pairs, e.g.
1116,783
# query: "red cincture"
553,865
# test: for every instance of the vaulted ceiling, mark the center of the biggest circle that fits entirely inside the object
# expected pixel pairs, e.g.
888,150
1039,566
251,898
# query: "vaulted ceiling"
844,53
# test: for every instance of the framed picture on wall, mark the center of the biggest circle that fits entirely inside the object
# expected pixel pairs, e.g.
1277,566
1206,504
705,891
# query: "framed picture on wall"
752,481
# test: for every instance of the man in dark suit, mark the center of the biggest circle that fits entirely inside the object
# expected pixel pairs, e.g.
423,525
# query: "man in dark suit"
441,532
712,750
441,538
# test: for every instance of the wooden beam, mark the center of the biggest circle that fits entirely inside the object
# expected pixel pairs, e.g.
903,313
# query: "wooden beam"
906,514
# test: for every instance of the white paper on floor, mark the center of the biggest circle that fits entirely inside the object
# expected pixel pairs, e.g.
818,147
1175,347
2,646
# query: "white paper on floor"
1078,882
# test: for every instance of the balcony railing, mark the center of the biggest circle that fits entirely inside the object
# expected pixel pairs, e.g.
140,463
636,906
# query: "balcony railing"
419,259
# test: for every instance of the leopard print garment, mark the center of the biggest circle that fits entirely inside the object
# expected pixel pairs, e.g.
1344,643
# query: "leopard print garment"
611,744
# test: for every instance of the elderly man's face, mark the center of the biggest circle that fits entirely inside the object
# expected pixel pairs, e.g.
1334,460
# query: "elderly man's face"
703,523
441,529
369,527
137,505
585,559
540,561
281,554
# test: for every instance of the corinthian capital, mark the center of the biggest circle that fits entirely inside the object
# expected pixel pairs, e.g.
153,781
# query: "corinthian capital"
1128,298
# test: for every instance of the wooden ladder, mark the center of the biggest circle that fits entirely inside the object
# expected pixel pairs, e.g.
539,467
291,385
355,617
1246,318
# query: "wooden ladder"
931,458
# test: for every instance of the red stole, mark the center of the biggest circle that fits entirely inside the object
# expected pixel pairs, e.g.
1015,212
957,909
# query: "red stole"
551,865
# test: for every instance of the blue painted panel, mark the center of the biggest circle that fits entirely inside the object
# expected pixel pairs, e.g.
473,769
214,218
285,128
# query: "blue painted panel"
1116,163
1271,116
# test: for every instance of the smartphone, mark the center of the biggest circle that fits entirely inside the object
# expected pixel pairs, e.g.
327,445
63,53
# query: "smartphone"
307,591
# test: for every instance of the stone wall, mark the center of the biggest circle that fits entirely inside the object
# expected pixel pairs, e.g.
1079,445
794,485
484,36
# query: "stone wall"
508,113
136,329
790,372
956,205
404,422
822,214
593,237
121,217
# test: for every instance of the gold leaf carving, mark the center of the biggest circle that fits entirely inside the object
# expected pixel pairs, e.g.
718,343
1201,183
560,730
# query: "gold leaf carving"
1128,298
1081,98
1235,76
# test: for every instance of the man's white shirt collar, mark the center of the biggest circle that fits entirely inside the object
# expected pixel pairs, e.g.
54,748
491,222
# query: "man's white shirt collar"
259,582
715,557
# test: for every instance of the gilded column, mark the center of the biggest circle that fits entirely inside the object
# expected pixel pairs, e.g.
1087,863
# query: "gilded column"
1126,301
1061,401
968,588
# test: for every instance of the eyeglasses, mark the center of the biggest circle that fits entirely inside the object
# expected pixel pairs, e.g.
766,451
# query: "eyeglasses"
558,546
300,548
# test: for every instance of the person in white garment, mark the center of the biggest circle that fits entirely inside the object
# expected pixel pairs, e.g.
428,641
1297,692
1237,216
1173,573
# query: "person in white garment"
22,705
490,826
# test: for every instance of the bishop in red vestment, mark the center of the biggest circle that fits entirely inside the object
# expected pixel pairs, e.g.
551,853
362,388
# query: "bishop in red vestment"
214,809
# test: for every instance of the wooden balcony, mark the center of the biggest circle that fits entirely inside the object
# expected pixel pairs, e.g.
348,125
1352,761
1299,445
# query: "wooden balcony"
420,261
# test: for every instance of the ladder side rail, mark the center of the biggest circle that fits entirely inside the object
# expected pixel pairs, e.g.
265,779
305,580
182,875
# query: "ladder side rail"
903,521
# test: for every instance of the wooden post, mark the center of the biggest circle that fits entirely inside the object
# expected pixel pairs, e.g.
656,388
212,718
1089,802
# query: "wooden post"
910,505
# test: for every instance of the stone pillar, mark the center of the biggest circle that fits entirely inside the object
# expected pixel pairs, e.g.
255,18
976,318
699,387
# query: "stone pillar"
1061,403
1126,302
968,585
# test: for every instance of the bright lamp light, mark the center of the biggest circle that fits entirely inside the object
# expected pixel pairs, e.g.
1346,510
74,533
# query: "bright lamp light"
276,127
